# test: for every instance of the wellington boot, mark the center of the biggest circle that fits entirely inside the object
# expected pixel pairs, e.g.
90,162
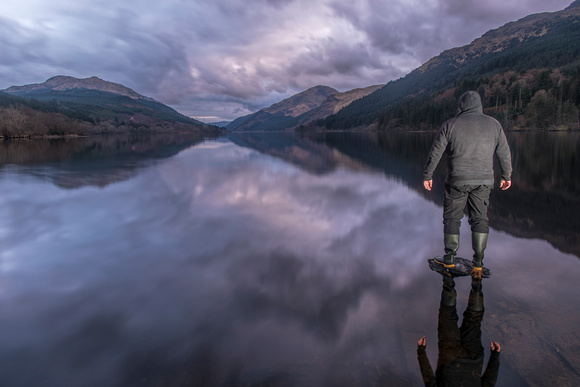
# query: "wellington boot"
476,284
478,243
451,242
448,293
475,302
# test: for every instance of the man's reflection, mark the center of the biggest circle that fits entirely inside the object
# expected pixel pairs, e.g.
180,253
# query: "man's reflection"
460,350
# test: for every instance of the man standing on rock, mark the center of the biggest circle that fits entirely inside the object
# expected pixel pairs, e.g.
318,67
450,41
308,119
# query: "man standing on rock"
470,140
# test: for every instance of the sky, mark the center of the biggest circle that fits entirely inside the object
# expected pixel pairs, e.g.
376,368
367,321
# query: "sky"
216,60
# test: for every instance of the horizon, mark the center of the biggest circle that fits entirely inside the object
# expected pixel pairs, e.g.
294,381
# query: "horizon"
181,54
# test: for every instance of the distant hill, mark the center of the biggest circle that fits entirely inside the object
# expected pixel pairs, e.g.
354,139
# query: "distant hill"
65,83
300,109
527,71
67,105
334,103
283,115
221,124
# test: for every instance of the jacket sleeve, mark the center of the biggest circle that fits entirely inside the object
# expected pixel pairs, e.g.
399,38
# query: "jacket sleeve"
437,150
489,377
426,370
505,159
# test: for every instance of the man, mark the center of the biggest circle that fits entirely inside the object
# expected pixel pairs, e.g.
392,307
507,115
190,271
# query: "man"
470,140
461,354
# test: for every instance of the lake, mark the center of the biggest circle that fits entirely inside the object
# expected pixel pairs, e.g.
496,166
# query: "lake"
272,259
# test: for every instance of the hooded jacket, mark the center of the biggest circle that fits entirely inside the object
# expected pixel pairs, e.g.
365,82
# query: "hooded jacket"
460,372
470,140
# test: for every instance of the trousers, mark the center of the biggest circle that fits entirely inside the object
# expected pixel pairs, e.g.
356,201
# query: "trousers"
462,342
475,198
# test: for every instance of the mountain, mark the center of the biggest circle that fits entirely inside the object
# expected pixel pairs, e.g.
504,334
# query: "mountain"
283,115
527,72
302,102
334,103
221,124
315,103
65,83
67,105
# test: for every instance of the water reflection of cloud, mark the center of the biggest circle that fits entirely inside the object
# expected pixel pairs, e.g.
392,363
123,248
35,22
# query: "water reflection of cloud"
222,263
257,245
301,206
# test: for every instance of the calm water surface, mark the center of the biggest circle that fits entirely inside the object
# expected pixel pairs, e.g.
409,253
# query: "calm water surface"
271,260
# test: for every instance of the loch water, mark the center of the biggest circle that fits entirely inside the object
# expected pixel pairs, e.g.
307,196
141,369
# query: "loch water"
272,259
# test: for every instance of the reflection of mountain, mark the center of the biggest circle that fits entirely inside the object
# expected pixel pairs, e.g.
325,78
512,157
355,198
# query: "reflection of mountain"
94,161
543,203
316,158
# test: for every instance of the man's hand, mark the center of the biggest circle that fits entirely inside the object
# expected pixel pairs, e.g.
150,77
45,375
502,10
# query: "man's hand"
428,184
505,184
495,346
423,342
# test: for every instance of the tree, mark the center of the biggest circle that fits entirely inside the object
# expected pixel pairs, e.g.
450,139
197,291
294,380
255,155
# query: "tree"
12,122
542,110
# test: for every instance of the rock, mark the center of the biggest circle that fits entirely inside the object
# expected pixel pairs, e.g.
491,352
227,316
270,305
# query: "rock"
463,267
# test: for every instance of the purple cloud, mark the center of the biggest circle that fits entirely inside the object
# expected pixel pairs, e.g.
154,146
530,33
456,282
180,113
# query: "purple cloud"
221,59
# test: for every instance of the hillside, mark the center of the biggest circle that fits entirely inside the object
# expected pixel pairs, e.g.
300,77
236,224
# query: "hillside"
67,105
301,109
65,83
334,103
527,71
283,114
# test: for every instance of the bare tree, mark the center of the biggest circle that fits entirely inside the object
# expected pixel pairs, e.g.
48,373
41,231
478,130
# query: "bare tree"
12,122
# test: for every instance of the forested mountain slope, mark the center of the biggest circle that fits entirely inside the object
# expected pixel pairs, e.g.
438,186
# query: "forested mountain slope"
528,73
67,105
299,110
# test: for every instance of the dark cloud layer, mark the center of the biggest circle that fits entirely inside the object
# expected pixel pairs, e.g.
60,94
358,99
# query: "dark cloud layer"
220,59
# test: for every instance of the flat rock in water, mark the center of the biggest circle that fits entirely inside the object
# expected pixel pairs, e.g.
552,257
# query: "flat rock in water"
463,267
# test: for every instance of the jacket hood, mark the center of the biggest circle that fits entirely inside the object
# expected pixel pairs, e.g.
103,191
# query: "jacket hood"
469,102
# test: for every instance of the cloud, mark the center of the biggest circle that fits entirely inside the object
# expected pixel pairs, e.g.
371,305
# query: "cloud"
196,55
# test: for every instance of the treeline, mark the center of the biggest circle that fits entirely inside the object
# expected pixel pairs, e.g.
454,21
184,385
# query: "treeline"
18,121
21,120
86,113
532,83
534,99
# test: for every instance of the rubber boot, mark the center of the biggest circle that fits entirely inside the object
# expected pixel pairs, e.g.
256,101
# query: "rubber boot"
448,294
478,243
451,242
475,302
